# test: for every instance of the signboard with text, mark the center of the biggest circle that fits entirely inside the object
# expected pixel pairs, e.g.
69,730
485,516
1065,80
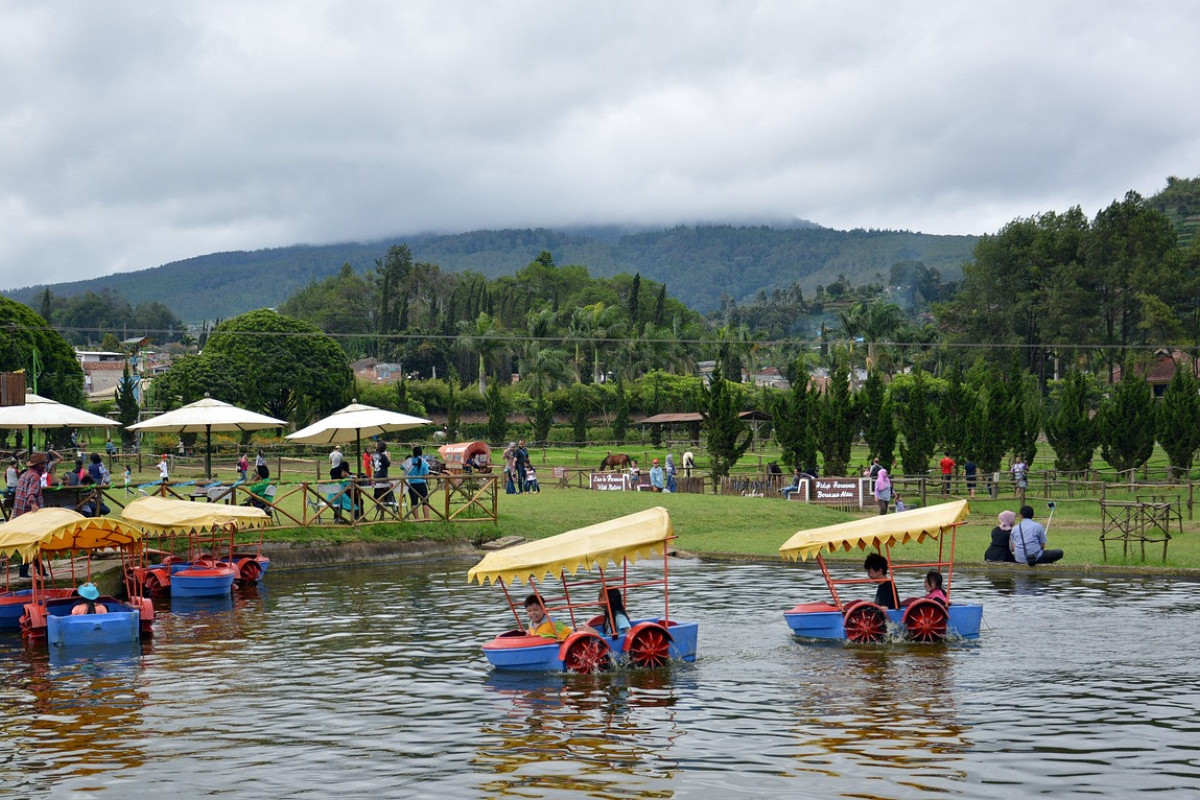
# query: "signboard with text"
838,491
609,482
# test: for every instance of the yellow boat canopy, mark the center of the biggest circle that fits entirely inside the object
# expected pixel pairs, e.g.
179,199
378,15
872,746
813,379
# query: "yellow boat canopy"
630,537
51,530
162,515
887,530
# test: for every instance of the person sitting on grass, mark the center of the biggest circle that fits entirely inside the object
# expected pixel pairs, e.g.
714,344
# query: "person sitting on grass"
540,623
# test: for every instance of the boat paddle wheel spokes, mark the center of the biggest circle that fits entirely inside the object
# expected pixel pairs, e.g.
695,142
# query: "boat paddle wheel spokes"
249,572
649,646
865,623
149,582
587,653
925,621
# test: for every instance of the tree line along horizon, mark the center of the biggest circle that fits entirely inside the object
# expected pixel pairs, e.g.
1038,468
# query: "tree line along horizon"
1047,295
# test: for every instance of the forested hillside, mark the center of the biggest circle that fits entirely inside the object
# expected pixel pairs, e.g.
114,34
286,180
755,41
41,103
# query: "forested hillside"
700,265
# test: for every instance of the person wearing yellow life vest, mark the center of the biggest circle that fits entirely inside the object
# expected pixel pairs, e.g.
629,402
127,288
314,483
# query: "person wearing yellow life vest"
540,623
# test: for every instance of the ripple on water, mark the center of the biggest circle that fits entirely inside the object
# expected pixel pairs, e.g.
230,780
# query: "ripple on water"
370,683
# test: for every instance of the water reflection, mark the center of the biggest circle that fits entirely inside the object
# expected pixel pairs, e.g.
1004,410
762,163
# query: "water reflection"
71,718
370,683
609,734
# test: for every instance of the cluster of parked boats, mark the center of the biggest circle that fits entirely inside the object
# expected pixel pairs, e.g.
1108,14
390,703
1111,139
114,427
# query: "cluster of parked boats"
159,546
191,550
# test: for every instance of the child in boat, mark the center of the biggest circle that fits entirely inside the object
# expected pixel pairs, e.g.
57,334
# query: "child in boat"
540,623
615,616
90,594
877,570
933,590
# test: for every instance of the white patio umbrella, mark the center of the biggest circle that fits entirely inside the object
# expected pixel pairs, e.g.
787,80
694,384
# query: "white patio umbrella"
205,416
354,422
42,412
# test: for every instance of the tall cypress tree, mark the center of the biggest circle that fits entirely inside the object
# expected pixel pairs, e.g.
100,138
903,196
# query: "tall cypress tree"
1126,423
837,418
918,424
621,413
726,434
497,407
1176,420
793,414
453,404
1070,429
127,405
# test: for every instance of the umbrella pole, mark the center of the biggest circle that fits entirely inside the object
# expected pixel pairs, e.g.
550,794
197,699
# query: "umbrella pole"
208,450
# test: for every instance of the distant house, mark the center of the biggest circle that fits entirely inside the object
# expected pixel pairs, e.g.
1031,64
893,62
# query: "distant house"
370,370
1159,370
102,371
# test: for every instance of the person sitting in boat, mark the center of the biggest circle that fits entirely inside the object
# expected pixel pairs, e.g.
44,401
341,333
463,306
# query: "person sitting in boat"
90,595
877,570
540,622
933,590
614,618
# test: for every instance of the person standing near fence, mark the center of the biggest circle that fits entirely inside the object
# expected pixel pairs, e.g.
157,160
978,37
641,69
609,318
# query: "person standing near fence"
971,473
521,463
415,469
883,490
671,484
947,465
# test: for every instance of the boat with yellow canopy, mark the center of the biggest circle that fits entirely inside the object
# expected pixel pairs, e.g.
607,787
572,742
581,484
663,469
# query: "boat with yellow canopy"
61,533
208,562
604,552
924,619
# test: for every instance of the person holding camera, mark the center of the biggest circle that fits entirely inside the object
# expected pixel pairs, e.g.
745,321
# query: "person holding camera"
1028,541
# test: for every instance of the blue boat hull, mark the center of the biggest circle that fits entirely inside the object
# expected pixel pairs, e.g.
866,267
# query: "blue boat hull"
518,652
187,581
824,621
121,625
12,606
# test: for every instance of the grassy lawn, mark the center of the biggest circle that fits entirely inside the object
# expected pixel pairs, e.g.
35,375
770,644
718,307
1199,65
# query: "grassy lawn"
733,526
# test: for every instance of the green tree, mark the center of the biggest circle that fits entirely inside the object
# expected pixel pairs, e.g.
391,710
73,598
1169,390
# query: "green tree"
1070,428
543,418
621,414
28,343
989,438
497,406
270,363
837,418
917,418
1126,423
1022,415
793,412
1176,426
580,408
876,411
727,434
954,413
453,404
127,405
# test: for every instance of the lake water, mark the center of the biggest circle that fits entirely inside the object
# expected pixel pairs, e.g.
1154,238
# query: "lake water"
369,683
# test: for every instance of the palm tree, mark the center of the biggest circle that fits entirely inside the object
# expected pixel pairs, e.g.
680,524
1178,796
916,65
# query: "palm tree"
540,360
484,336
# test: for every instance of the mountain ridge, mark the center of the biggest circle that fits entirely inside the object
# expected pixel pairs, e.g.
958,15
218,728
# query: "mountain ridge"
702,265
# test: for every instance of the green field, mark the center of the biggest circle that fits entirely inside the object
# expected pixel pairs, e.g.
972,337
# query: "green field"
735,526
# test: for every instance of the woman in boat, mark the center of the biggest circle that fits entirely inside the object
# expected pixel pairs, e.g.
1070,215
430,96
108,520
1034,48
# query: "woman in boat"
90,595
999,551
616,620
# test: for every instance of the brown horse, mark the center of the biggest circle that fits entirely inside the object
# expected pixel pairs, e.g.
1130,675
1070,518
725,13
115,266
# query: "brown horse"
614,461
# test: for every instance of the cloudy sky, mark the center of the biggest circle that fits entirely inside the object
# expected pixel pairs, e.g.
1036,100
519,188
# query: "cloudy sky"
137,133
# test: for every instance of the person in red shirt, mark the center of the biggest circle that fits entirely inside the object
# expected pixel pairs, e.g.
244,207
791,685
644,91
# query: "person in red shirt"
947,464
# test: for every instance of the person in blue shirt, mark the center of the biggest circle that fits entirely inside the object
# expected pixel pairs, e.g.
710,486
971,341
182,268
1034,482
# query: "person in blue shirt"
1029,541
415,470
656,477
616,620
